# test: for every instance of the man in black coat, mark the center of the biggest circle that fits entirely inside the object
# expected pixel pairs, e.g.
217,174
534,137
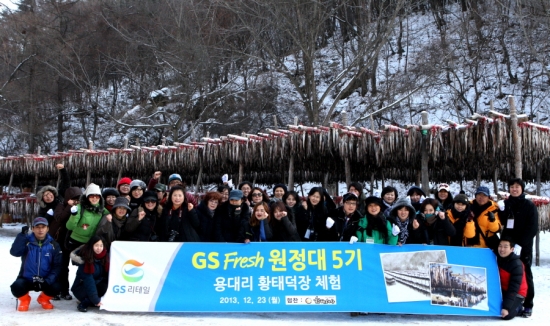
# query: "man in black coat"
520,222
346,218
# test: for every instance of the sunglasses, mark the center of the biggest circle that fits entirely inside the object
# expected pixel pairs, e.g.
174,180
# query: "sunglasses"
93,196
150,201
256,194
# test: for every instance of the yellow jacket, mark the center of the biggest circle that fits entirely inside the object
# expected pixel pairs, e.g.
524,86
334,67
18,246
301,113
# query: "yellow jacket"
488,228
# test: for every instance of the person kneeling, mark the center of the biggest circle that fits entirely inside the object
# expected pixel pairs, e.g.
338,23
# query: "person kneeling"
91,279
512,279
41,264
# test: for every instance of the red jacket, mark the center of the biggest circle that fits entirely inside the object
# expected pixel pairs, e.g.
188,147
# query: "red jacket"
512,279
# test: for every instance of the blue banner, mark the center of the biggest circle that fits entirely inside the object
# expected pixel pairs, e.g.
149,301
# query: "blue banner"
303,277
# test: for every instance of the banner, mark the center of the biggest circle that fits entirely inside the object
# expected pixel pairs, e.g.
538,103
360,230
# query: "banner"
302,277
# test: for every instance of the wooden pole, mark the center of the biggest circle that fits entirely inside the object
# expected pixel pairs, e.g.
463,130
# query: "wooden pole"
347,167
121,167
290,184
89,172
371,191
425,176
241,172
495,181
515,138
36,174
537,238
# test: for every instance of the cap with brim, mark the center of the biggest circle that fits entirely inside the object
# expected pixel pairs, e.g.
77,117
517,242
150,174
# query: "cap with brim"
461,198
235,195
443,186
349,196
160,187
40,221
483,190
150,196
121,202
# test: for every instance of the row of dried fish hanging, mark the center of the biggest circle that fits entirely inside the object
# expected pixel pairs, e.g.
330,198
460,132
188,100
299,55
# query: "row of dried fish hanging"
457,152
22,208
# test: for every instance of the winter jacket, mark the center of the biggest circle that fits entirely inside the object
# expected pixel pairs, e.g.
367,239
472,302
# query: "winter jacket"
86,285
407,233
207,221
253,233
85,222
344,226
440,230
512,279
526,222
38,258
119,227
285,228
314,218
184,222
459,220
144,230
376,231
489,229
58,200
229,222
62,213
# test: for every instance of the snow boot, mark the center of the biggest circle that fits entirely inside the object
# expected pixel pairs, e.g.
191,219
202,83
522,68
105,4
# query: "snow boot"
24,302
44,301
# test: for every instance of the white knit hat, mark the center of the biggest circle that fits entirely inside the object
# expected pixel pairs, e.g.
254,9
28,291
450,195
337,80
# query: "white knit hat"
92,189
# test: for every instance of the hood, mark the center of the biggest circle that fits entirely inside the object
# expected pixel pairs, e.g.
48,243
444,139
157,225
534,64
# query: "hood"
413,188
75,257
72,192
41,192
403,202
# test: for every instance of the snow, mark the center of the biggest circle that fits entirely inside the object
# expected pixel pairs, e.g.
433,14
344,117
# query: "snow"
65,311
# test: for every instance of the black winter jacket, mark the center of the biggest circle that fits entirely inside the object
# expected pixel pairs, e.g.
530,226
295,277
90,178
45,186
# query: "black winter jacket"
526,222
144,230
184,222
512,278
229,222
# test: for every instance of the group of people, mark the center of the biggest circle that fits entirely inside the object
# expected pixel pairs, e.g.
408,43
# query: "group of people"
81,226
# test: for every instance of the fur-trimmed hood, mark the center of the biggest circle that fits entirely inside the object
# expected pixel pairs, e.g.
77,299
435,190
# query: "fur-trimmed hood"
75,257
41,192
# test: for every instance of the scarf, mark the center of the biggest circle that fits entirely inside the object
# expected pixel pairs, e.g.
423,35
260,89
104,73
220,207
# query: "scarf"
89,267
403,226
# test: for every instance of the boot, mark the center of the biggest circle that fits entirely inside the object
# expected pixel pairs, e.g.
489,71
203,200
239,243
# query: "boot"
24,302
44,300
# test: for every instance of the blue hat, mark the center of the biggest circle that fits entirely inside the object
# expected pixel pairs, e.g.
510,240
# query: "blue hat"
235,195
174,176
483,190
40,220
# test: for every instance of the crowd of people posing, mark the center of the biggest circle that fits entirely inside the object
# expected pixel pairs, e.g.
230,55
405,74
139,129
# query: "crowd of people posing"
81,226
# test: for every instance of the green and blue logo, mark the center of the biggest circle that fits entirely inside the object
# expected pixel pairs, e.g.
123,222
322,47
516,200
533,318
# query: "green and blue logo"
131,271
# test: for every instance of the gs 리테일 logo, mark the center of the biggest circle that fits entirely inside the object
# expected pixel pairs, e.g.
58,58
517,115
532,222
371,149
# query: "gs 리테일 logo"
131,271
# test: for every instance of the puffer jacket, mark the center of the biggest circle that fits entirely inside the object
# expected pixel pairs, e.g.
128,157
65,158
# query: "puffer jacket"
86,285
489,229
85,222
58,200
38,258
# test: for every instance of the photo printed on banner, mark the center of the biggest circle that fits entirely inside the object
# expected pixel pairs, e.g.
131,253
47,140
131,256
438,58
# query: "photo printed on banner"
406,274
458,286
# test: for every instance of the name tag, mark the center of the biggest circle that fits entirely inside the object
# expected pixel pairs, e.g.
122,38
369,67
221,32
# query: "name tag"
308,233
510,224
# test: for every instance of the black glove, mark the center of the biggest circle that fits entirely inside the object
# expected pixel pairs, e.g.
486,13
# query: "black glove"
25,230
491,217
37,282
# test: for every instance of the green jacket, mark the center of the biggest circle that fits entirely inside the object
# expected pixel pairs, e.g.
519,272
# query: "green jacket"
361,233
84,223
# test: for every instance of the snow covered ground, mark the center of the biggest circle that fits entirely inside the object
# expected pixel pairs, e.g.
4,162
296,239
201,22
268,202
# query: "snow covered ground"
65,312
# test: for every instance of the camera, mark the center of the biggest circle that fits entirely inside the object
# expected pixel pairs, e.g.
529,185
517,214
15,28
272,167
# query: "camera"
173,235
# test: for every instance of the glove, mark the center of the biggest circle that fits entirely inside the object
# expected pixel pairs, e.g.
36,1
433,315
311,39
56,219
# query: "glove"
25,230
517,249
330,222
500,204
50,212
74,210
491,217
353,239
225,178
37,282
395,230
